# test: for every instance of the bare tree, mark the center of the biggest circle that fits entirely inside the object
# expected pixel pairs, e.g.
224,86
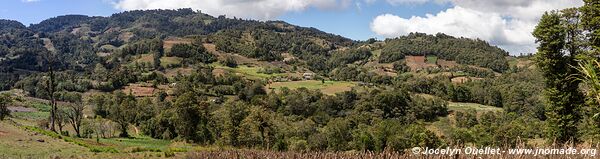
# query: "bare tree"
75,115
49,57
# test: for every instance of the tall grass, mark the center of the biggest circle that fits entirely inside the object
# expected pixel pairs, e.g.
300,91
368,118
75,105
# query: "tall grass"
590,75
264,154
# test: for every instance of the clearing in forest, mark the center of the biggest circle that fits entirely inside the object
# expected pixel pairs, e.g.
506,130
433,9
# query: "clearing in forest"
168,43
468,106
329,87
417,63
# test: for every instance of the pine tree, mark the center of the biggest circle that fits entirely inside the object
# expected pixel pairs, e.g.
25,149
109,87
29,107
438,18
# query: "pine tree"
556,53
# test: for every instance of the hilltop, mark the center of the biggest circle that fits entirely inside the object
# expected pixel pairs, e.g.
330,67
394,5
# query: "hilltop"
81,44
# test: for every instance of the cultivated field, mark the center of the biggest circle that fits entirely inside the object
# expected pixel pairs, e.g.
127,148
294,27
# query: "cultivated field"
417,63
168,43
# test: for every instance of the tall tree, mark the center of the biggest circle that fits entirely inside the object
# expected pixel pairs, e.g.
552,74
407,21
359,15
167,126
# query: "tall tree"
192,119
158,52
123,111
590,17
51,88
556,54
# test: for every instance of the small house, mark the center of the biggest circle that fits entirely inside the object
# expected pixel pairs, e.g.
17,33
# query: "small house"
308,76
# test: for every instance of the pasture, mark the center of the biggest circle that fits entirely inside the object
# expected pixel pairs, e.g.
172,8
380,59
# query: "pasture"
329,87
251,72
468,106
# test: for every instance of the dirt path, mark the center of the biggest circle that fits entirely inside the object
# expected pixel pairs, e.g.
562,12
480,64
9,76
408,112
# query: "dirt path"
21,109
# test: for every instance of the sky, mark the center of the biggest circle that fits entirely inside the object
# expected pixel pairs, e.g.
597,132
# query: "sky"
505,23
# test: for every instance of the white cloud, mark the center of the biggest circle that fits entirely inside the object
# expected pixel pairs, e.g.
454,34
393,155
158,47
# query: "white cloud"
505,23
403,2
29,1
257,9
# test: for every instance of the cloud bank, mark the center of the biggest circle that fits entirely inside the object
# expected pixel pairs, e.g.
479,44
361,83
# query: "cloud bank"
505,23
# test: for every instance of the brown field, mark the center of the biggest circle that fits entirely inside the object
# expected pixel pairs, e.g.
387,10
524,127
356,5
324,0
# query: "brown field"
21,109
417,63
447,64
524,63
288,57
384,69
459,80
145,58
210,48
168,43
139,90
219,71
125,36
183,71
49,45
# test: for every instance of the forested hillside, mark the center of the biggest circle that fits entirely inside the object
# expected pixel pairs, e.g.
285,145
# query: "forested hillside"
462,50
172,81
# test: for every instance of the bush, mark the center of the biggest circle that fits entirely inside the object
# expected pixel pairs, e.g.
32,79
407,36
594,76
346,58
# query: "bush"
401,67
297,144
466,119
270,70
5,100
169,153
229,62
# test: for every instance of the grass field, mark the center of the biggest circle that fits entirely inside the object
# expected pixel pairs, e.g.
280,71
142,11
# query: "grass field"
467,106
431,59
142,143
444,125
329,87
18,143
247,71
376,54
166,61
144,58
149,58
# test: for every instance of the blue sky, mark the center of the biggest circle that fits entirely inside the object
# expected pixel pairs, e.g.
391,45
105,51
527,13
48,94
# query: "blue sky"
504,23
28,12
354,23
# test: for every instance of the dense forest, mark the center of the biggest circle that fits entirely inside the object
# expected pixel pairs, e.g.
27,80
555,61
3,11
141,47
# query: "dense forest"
406,92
